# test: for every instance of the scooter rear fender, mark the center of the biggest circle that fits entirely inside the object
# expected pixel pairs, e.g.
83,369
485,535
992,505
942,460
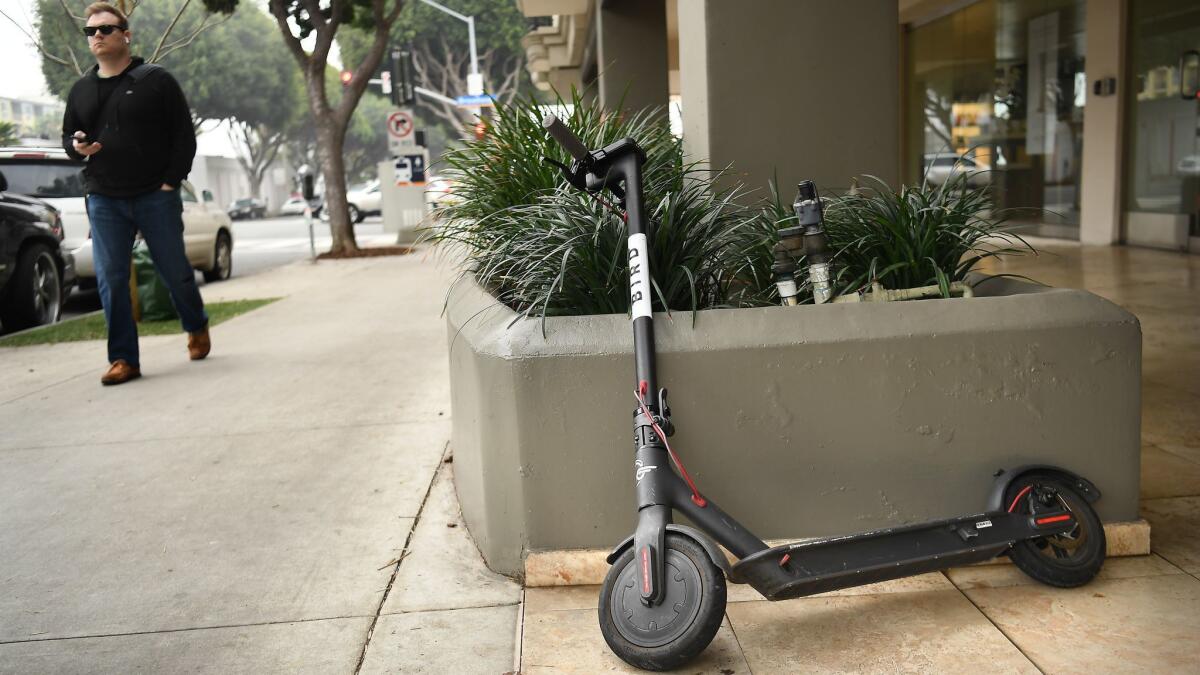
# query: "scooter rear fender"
1005,477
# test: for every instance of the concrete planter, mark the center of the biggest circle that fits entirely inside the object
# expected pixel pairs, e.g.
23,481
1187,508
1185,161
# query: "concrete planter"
803,421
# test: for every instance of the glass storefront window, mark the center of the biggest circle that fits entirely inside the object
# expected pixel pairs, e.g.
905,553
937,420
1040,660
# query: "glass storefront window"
997,89
1162,168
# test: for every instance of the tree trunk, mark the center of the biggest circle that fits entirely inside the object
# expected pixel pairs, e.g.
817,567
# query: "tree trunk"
331,138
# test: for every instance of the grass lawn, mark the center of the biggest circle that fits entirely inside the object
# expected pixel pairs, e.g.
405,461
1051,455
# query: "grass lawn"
91,326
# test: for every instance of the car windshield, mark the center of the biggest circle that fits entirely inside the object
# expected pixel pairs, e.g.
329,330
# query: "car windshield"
242,202
39,178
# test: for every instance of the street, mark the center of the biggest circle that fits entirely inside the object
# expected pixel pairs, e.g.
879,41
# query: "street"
258,246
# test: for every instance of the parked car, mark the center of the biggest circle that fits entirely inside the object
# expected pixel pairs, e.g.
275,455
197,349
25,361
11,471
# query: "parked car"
440,191
36,274
49,174
365,200
939,167
247,208
295,207
1189,165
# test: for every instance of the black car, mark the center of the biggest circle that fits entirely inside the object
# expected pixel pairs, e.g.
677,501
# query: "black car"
247,208
35,273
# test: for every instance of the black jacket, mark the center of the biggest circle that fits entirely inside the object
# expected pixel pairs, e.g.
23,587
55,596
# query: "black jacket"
145,129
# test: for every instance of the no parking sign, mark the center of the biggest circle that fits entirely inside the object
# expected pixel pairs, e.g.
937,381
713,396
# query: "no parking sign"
400,128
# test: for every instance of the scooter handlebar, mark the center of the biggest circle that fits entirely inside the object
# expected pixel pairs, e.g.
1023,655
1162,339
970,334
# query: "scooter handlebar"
563,135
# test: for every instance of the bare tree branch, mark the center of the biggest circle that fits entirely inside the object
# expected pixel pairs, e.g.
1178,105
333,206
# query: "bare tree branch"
36,43
66,9
278,10
183,42
170,27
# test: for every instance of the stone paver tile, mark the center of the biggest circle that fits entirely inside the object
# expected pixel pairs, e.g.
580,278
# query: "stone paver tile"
585,597
1183,451
1170,416
933,581
1174,524
1166,474
1000,576
569,641
444,569
919,632
318,647
559,598
1137,625
475,640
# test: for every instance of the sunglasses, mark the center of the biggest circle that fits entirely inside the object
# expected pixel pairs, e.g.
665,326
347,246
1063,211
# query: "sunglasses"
105,29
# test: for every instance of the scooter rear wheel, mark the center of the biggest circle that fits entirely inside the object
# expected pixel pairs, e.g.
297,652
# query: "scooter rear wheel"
676,630
1065,560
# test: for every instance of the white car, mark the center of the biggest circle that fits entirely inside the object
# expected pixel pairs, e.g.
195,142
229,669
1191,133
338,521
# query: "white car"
293,207
939,167
49,174
364,200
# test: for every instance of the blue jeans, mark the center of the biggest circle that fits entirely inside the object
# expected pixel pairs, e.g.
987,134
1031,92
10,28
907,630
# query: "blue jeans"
158,215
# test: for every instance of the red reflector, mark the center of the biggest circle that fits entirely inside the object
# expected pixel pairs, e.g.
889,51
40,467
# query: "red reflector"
646,571
30,155
1052,519
786,557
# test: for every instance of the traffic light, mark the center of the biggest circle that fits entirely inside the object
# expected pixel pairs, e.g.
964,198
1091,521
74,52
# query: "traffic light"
403,93
346,77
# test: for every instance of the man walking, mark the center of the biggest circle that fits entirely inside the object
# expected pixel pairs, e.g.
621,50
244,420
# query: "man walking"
130,122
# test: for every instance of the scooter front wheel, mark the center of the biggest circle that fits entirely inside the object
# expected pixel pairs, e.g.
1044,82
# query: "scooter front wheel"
674,631
1065,560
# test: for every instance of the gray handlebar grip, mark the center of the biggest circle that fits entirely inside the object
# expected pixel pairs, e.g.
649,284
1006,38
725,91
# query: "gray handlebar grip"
563,135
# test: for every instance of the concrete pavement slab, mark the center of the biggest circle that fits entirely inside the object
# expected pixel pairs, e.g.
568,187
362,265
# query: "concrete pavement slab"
999,576
325,647
569,641
1133,625
918,632
1175,523
476,640
444,569
1165,474
293,363
203,531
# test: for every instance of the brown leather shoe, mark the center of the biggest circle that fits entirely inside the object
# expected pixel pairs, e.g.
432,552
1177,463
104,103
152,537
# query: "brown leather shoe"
120,372
198,344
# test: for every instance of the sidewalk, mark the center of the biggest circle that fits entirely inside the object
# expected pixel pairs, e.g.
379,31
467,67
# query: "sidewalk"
246,513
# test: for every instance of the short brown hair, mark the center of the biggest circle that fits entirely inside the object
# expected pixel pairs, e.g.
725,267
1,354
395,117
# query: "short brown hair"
105,8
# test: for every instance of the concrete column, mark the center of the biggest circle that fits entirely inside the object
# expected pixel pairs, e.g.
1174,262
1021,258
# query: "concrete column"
1103,137
631,53
807,89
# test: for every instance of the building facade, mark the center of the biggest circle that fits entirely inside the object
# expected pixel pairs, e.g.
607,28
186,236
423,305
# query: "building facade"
1081,115
33,119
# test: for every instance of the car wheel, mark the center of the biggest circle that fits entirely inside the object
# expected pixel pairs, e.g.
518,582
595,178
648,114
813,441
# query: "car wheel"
356,216
222,267
35,295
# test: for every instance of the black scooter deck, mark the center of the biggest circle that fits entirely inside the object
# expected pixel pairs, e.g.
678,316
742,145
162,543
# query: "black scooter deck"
807,568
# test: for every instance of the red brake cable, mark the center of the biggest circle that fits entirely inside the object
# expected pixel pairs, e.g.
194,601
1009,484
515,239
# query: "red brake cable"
697,498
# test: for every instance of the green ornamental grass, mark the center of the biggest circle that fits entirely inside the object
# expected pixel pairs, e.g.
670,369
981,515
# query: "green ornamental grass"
544,248
918,236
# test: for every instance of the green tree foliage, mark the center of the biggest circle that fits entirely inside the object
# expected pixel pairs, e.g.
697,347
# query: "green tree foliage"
322,20
442,55
8,133
232,69
159,29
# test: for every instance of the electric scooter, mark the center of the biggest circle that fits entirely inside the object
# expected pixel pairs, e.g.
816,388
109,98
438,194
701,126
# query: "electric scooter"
664,596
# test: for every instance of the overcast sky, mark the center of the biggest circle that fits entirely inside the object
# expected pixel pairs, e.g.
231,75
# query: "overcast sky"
22,72
21,75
